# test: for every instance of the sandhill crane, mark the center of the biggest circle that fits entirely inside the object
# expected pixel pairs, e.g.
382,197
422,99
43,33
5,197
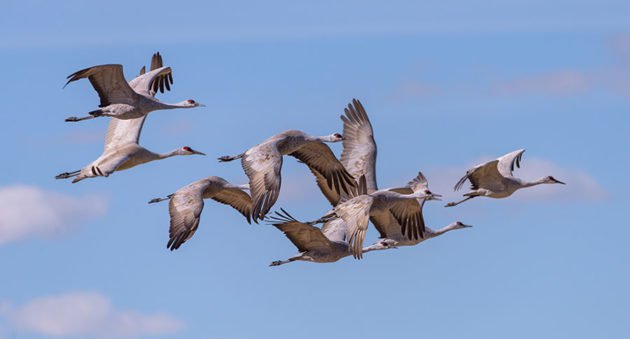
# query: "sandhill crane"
494,178
359,158
186,205
359,151
122,150
123,100
324,245
357,211
392,233
263,163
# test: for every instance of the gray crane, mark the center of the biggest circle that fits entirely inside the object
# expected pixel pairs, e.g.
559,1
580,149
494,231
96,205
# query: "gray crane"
357,211
324,245
122,150
392,232
359,158
123,100
263,163
494,178
186,205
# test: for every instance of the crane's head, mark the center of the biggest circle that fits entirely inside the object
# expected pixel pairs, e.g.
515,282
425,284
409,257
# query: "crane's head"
459,225
192,103
335,137
189,151
552,180
382,244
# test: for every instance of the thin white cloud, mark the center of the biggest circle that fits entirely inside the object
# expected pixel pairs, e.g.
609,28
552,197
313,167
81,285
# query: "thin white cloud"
556,83
85,314
580,186
29,211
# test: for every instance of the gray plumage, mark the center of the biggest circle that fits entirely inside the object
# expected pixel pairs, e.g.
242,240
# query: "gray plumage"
123,100
359,158
357,211
122,150
324,245
186,205
392,233
263,163
494,178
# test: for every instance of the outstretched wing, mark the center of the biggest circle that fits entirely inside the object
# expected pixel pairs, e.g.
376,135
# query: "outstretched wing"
185,210
507,162
147,84
304,236
109,82
262,164
119,131
359,148
356,214
408,212
483,176
233,196
319,158
151,84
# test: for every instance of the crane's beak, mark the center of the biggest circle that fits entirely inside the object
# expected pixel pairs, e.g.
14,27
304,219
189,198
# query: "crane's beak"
559,182
197,152
434,197
466,225
200,105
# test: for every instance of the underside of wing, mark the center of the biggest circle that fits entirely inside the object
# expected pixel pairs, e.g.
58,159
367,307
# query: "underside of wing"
359,148
121,132
262,164
185,209
356,214
509,161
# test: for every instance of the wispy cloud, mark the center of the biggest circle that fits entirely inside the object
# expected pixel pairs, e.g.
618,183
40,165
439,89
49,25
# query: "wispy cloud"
85,314
29,211
556,83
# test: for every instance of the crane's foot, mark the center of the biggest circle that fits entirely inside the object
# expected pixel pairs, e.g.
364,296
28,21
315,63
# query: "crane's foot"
153,201
66,175
75,119
227,158
276,263
450,204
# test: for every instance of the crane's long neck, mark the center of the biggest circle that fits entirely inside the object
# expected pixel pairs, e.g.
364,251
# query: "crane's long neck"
325,138
431,233
532,183
181,104
167,155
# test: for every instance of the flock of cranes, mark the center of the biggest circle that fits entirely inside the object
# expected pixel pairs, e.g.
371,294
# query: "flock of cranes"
348,183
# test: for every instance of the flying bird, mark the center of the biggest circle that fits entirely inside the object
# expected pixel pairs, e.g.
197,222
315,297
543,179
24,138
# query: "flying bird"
392,233
359,158
122,150
186,205
359,151
324,245
263,163
494,178
358,210
122,100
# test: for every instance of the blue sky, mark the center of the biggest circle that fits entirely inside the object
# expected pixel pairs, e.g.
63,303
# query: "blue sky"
446,86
